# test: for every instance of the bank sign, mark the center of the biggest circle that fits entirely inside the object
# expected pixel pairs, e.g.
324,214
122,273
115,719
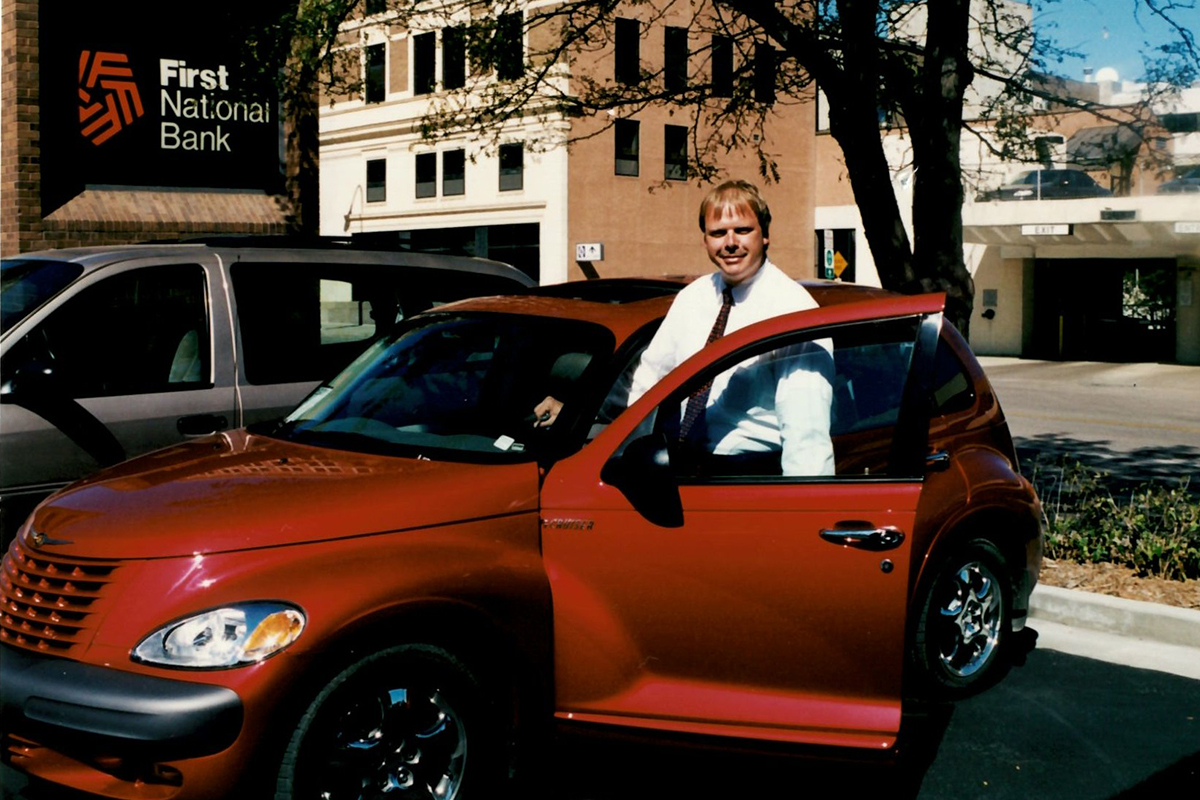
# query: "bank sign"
151,110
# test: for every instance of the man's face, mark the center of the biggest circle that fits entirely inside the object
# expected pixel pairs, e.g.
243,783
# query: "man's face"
735,242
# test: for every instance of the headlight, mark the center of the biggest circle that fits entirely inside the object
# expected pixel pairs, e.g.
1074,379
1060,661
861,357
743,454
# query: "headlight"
223,637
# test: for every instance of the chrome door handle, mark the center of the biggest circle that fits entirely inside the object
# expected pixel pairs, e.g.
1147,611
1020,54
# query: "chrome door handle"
937,461
860,535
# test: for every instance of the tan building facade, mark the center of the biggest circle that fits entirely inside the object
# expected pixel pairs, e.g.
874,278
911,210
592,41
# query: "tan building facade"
610,200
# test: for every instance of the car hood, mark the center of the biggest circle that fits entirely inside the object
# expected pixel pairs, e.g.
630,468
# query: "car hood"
238,491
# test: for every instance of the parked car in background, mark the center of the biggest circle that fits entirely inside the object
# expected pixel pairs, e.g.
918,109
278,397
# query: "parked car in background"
110,352
404,577
1187,183
1047,184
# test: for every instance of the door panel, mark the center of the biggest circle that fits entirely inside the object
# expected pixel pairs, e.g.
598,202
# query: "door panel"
743,619
744,616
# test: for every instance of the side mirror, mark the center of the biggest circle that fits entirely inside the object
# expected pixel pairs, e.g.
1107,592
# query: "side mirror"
643,474
33,378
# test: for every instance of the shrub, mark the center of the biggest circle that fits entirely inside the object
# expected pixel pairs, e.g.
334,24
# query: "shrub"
1152,528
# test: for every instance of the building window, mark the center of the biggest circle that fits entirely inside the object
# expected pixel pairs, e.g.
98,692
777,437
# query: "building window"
675,155
512,167
764,73
626,152
628,51
454,58
822,115
376,180
675,59
510,47
454,172
374,86
722,66
424,55
376,7
426,174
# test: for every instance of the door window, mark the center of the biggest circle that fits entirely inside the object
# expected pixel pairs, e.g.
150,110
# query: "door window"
138,332
821,405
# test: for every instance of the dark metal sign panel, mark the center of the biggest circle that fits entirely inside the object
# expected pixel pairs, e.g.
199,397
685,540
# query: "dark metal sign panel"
127,103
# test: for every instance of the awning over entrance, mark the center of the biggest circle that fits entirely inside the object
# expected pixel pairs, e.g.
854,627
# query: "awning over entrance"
1109,278
1105,227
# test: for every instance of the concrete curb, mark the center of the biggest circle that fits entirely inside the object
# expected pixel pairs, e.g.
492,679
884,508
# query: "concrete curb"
1100,612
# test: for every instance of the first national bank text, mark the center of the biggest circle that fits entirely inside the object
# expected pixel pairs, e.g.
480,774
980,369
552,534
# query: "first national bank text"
192,95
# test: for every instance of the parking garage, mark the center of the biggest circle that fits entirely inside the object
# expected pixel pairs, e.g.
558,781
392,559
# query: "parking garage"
1097,279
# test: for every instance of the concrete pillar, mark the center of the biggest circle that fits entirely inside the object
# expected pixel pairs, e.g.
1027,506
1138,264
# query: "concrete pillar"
1187,312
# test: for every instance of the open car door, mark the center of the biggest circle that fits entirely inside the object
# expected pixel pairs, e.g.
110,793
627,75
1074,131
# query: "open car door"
699,593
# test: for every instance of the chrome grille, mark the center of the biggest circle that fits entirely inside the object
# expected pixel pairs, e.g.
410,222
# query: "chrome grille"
49,601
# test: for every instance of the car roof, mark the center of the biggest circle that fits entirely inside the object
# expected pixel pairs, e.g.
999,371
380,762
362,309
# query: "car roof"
1029,172
624,305
327,250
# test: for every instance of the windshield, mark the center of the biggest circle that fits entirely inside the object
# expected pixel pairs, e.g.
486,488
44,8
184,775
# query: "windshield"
455,386
27,283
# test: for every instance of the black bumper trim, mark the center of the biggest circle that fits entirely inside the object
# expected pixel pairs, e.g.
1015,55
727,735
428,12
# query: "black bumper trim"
70,706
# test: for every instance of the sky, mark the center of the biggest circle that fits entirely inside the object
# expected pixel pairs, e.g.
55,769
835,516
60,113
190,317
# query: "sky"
1109,31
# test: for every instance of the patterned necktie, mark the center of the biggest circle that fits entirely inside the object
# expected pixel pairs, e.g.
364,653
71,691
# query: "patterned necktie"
699,398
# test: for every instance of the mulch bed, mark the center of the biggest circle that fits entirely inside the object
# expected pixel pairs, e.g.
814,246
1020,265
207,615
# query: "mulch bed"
1120,582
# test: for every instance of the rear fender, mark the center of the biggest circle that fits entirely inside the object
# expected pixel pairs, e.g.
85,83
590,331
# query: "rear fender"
981,496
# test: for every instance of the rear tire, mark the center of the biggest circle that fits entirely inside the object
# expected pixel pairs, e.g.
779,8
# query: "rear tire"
964,625
407,722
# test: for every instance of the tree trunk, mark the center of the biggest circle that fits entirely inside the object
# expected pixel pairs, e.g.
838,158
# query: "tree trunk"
853,93
301,170
935,113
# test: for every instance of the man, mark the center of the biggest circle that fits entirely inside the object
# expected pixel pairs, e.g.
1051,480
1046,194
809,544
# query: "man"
779,402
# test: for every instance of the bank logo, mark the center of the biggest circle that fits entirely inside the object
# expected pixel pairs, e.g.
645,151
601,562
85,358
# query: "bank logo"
108,97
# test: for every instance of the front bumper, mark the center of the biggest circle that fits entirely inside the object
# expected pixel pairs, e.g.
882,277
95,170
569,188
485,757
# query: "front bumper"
85,708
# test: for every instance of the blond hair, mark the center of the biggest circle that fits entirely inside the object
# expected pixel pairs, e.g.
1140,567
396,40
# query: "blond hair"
737,194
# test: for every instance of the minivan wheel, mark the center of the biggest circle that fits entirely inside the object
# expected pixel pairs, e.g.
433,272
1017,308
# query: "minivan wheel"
407,722
964,623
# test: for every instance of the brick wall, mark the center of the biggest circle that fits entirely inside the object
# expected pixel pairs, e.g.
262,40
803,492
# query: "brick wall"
95,217
20,172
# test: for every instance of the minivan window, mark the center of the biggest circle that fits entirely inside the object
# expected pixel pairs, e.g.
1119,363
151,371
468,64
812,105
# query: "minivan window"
26,283
305,322
137,332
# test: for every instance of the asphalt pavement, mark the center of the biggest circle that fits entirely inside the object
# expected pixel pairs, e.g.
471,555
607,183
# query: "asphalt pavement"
1139,422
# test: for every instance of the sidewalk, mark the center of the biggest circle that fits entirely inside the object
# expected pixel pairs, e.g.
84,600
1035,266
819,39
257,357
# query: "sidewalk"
1129,632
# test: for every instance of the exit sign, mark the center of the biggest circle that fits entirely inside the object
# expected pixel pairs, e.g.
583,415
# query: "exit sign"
1045,230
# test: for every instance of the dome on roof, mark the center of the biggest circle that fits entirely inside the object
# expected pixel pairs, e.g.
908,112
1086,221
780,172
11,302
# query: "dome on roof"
1107,74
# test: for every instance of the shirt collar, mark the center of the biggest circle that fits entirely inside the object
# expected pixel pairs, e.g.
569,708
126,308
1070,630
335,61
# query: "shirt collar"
743,289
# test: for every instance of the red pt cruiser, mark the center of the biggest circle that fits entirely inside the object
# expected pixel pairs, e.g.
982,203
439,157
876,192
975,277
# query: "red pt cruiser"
403,582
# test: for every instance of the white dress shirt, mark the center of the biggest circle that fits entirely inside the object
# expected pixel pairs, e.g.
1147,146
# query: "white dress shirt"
779,401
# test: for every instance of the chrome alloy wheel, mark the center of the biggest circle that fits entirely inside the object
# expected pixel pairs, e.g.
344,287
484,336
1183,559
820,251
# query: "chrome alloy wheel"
392,743
971,619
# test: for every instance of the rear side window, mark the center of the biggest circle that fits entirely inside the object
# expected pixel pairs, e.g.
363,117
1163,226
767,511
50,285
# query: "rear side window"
953,389
305,322
139,332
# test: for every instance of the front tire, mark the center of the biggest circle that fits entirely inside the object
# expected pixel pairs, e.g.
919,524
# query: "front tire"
964,627
406,722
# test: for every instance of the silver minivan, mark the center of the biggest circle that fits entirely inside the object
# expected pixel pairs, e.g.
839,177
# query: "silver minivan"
110,352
